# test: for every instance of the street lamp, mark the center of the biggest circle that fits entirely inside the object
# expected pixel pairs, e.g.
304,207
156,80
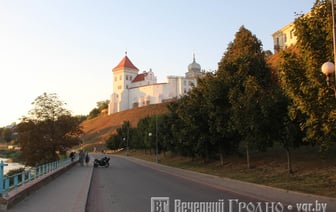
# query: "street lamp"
328,68
126,141
150,135
156,147
126,138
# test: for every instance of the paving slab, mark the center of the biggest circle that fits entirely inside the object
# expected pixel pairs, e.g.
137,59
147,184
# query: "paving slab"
66,193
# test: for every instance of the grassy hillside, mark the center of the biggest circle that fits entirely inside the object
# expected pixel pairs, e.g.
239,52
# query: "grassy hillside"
314,172
97,130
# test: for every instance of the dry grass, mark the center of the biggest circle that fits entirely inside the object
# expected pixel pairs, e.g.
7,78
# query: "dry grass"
97,130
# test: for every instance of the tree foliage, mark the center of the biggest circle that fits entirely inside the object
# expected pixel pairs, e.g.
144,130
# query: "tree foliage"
95,112
244,107
244,71
229,110
6,134
48,131
312,103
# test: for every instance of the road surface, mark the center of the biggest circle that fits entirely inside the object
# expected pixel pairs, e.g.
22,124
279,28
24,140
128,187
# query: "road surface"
128,186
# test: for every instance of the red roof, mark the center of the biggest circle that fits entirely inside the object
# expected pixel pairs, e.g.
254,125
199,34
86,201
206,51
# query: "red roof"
140,77
125,63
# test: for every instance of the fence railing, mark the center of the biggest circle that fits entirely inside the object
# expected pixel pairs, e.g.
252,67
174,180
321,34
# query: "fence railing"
9,183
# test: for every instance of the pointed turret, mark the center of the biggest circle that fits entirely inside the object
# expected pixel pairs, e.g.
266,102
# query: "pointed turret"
125,63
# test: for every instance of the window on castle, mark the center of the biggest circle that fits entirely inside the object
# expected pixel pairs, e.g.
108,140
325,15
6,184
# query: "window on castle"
115,79
120,77
119,87
126,77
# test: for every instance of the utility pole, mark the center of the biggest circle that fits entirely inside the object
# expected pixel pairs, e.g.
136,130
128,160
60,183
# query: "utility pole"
334,29
127,138
156,141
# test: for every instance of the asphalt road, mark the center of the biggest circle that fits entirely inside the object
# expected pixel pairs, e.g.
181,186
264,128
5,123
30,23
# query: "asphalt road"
128,186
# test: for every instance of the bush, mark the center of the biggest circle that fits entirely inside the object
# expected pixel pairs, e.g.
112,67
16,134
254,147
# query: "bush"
14,172
114,142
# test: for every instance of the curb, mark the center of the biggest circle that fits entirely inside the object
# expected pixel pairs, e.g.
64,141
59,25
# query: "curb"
82,199
251,190
87,191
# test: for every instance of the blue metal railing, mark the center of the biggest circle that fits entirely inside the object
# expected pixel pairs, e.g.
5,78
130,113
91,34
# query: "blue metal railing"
8,183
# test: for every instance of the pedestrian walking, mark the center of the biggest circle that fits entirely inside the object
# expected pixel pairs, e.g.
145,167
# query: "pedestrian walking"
87,158
72,156
81,157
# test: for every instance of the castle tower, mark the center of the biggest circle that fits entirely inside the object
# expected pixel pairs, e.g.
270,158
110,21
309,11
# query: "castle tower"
131,89
123,74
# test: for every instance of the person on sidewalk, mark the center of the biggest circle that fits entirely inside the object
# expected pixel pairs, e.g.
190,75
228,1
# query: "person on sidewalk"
72,156
87,158
81,157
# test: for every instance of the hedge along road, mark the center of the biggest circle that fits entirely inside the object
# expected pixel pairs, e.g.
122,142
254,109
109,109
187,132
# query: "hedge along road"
129,184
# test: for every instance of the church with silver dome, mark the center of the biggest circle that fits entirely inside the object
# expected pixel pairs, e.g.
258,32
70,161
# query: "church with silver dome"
132,89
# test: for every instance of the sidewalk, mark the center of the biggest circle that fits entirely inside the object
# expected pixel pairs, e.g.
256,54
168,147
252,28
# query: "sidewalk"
66,193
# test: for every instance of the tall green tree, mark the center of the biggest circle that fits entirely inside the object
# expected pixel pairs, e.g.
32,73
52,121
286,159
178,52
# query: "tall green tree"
48,131
302,79
114,142
142,134
248,78
125,133
193,111
179,131
221,135
47,107
122,138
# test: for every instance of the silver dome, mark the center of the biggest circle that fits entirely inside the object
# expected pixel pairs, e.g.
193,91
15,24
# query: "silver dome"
194,67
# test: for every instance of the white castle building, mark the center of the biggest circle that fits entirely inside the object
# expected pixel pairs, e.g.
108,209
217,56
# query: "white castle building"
132,89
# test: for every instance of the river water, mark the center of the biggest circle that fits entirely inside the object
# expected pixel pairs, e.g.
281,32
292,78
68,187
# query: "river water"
10,166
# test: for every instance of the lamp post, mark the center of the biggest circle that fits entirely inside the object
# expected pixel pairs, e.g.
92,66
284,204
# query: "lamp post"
156,141
124,141
328,68
156,147
150,140
126,138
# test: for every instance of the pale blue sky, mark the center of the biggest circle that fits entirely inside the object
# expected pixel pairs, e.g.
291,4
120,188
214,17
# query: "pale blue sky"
69,47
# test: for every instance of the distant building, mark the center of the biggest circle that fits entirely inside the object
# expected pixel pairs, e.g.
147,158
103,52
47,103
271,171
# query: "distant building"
284,38
132,89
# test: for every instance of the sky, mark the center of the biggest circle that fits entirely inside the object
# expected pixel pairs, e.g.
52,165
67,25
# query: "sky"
69,47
